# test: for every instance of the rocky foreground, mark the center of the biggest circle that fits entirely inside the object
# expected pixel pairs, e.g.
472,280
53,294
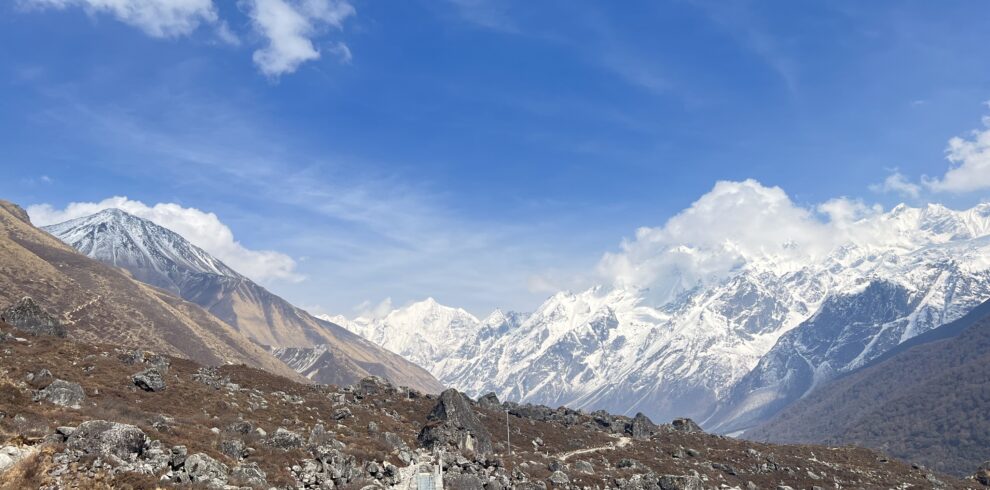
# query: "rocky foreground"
76,415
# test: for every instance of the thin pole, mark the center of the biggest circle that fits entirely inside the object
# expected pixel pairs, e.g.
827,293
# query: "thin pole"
508,442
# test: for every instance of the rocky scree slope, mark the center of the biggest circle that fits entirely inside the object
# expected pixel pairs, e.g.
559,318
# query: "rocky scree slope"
729,352
160,257
927,403
71,415
97,303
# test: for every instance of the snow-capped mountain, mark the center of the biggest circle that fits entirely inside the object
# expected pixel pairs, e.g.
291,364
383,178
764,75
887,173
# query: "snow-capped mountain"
153,254
158,256
427,332
729,351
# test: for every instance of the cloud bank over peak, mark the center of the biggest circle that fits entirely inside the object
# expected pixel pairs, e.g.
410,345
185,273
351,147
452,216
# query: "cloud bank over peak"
742,224
203,229
970,163
289,27
733,224
969,169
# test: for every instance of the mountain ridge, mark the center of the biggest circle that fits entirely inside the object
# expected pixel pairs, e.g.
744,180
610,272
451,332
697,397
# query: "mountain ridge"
161,257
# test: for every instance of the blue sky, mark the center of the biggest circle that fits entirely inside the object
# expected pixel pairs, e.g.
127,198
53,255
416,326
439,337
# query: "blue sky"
482,152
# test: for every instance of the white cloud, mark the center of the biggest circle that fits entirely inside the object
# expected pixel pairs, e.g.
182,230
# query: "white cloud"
289,28
203,229
157,18
734,223
373,311
897,183
969,164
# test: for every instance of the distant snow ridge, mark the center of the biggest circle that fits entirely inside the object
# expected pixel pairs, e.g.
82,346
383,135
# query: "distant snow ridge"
730,353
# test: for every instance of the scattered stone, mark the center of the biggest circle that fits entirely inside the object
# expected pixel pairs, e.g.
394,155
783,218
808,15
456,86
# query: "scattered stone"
584,467
285,439
983,474
374,385
200,468
489,401
342,413
26,316
685,425
107,439
10,455
39,379
559,478
248,475
233,448
210,376
150,379
641,427
672,482
63,394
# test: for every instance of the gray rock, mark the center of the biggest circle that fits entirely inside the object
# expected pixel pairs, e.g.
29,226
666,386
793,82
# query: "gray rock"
200,468
63,394
26,316
673,482
39,379
452,422
983,474
342,413
641,427
685,425
559,478
463,482
374,385
248,475
285,439
150,379
584,467
107,439
233,448
489,401
10,455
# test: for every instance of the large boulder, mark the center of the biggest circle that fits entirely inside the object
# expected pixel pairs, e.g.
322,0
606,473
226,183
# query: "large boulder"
982,475
10,455
102,438
204,470
63,394
641,427
285,439
27,316
150,379
685,425
490,401
374,385
453,423
673,482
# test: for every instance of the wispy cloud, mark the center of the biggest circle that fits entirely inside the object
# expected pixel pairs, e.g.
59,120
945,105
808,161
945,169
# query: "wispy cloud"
289,27
897,183
969,160
157,18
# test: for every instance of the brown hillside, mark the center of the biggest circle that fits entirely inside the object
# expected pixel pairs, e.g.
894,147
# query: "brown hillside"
98,303
367,435
929,403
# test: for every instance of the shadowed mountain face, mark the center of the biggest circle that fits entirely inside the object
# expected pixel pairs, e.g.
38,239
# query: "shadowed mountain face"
926,402
100,303
160,257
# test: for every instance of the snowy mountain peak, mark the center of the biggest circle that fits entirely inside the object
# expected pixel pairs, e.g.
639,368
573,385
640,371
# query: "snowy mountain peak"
153,253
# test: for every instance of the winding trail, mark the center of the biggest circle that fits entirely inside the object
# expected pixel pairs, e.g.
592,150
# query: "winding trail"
623,442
